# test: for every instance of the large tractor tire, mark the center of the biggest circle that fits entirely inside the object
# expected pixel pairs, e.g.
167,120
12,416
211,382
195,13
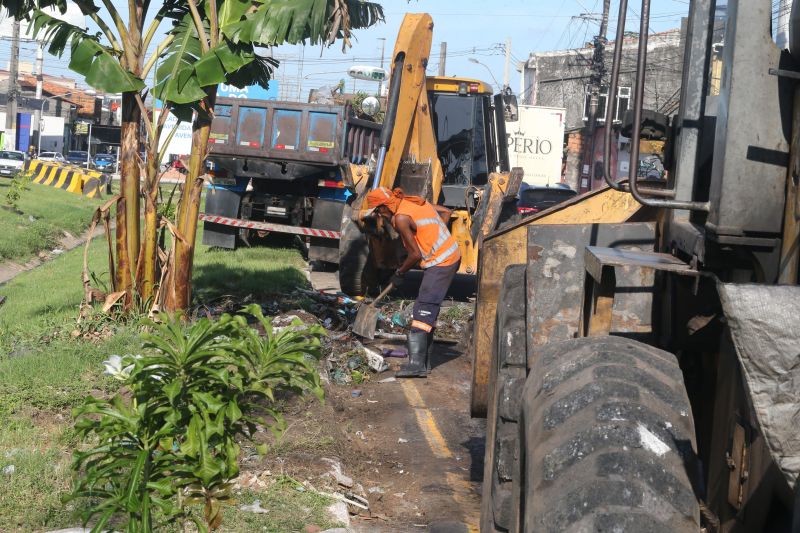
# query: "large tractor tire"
606,441
506,384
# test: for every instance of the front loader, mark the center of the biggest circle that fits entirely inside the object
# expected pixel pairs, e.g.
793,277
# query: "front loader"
637,351
443,139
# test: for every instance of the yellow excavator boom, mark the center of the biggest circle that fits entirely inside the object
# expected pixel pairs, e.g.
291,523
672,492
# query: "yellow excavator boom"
409,132
408,141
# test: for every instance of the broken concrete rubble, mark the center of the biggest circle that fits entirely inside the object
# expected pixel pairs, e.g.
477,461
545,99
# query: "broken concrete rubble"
336,472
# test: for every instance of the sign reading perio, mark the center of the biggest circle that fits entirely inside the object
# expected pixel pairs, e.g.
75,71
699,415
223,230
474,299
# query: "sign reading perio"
536,143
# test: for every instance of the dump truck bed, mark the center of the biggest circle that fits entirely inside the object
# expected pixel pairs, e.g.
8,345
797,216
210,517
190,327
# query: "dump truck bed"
283,131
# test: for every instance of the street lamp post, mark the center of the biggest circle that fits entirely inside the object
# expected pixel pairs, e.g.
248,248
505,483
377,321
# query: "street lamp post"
473,60
90,92
89,147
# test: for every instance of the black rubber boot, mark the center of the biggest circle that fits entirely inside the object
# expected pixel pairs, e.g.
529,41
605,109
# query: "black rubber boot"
430,353
417,366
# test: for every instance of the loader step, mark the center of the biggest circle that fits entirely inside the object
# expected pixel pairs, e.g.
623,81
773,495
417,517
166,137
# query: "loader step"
598,258
601,281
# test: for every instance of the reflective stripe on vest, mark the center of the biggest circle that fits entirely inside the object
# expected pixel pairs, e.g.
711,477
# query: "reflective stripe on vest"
446,255
444,234
436,245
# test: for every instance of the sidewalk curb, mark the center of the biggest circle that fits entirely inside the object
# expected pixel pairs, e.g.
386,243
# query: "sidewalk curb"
10,269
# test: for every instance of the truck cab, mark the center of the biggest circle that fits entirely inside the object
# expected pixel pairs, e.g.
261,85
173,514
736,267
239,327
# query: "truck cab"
465,125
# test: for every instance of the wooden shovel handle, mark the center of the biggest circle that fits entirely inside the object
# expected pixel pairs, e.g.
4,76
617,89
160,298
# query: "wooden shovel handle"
383,294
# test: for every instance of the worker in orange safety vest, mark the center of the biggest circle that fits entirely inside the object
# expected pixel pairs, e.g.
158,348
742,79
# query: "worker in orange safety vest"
423,229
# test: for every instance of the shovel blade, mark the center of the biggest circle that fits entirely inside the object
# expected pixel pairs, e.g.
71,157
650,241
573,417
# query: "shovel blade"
366,320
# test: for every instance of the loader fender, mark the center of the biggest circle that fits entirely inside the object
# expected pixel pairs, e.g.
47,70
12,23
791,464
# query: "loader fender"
510,246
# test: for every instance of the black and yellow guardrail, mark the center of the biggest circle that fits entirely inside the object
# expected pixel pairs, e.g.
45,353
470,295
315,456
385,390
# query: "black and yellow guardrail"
70,178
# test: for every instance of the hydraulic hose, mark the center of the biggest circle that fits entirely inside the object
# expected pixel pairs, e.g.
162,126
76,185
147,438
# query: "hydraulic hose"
391,115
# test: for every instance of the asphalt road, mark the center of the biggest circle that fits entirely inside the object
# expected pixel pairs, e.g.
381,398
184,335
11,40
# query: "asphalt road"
426,450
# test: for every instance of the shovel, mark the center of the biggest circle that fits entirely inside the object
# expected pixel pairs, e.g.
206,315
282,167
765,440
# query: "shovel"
367,316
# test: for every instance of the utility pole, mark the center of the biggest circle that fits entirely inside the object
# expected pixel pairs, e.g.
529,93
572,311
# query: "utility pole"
383,49
13,92
442,57
39,77
508,64
282,93
595,83
300,73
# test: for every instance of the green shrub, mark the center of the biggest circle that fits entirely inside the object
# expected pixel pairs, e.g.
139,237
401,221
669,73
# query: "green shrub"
19,183
168,441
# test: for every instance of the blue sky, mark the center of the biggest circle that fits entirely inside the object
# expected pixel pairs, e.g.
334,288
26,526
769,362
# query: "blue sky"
482,26
472,29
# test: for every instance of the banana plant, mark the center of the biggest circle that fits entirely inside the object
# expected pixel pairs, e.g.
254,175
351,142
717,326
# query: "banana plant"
227,35
201,43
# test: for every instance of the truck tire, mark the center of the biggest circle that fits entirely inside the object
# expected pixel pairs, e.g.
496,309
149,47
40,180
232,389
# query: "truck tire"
354,264
507,380
607,441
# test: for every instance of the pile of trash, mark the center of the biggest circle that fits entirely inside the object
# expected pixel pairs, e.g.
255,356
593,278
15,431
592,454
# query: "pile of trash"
347,360
395,316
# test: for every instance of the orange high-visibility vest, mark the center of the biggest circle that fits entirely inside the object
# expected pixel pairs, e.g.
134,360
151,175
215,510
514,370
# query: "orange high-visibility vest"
438,246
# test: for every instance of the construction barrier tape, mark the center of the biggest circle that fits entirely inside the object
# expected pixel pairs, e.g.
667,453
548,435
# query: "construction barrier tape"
70,178
268,226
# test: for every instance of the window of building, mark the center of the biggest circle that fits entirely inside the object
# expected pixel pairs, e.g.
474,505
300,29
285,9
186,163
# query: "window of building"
623,102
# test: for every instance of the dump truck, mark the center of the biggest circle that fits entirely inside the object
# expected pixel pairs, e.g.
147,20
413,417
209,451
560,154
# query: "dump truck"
280,167
635,350
444,139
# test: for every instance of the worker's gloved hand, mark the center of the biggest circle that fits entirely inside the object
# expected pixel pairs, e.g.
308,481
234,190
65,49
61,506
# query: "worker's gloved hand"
397,279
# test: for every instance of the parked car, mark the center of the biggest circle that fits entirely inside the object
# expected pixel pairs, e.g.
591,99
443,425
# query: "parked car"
78,157
105,162
535,198
56,157
11,162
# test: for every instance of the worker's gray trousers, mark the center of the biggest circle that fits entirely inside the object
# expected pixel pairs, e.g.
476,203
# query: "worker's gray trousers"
435,283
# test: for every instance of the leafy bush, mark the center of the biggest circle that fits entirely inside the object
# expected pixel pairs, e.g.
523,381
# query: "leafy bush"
168,442
19,183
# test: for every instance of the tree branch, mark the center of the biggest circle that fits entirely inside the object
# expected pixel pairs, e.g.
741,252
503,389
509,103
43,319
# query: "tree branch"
214,23
198,23
106,31
151,30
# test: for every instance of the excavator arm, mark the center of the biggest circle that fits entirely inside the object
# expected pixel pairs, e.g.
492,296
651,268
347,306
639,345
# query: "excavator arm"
408,129
408,158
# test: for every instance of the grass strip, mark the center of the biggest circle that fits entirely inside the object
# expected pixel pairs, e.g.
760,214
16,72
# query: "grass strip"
44,214
44,372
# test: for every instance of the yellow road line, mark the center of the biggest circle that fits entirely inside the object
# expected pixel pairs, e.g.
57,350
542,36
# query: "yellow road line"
463,492
426,421
465,496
